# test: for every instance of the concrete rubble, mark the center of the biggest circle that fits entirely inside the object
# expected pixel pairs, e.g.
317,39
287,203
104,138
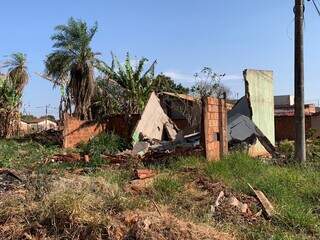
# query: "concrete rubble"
267,206
144,173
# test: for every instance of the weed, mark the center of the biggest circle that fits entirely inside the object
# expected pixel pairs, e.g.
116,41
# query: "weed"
186,162
105,143
166,188
27,154
286,147
293,190
118,176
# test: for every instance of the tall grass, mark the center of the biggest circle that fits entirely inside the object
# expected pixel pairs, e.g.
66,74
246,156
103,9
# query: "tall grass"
295,191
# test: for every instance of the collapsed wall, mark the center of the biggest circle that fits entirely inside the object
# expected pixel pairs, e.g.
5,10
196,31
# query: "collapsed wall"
260,95
154,122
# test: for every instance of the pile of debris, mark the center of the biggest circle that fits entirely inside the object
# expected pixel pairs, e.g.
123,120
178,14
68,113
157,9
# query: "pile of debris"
9,180
69,158
236,207
48,137
156,138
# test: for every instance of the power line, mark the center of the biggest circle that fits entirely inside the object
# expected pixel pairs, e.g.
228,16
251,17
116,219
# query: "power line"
316,6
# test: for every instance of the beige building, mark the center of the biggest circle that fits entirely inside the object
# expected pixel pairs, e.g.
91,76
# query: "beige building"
37,125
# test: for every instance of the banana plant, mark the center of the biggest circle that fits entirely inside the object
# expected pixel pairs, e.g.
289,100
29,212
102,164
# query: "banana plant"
136,83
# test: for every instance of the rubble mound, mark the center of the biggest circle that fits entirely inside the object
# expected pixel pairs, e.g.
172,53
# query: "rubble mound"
231,206
9,180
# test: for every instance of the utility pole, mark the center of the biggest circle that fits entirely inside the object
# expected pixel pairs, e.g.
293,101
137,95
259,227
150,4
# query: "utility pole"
300,143
46,127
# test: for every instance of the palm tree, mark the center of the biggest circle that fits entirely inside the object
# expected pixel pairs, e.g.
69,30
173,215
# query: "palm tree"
71,65
11,87
17,71
135,83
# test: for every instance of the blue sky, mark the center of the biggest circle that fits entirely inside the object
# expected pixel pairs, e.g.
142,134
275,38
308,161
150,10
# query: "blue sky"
182,35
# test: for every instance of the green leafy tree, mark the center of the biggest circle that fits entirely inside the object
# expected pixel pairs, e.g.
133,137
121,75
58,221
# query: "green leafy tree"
164,83
11,88
71,65
28,117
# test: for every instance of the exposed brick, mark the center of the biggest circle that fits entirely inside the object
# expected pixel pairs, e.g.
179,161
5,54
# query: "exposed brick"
214,127
76,131
285,127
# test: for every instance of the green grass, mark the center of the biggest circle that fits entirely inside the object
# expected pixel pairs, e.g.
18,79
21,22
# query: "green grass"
105,143
32,155
186,162
118,176
294,191
26,154
166,188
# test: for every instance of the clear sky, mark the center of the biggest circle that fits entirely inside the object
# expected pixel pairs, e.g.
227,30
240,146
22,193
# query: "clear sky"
182,35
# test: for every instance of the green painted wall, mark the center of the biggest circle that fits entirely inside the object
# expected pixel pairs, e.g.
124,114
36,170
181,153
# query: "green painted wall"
259,89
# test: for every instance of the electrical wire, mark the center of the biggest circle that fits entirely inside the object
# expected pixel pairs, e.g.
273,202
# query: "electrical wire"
316,6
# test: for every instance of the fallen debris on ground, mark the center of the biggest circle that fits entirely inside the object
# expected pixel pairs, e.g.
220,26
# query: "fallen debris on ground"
9,180
118,159
140,148
229,206
68,158
241,128
48,137
144,173
267,206
243,207
139,185
217,202
154,123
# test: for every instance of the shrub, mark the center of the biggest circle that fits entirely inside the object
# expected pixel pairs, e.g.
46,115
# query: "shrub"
105,143
286,148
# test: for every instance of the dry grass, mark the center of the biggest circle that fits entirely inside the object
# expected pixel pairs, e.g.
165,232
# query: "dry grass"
152,226
82,207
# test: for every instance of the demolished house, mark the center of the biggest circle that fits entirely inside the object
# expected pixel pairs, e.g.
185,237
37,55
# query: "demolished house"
170,120
251,121
184,110
152,124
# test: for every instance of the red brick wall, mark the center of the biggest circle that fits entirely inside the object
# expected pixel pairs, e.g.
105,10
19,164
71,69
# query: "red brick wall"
76,131
122,126
214,128
285,127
